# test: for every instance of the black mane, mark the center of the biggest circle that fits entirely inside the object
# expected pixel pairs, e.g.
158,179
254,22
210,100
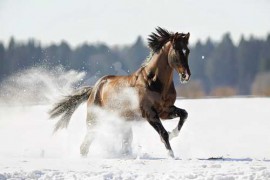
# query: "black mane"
157,41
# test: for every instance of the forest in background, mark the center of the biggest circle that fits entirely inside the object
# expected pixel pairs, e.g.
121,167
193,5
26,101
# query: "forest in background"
218,68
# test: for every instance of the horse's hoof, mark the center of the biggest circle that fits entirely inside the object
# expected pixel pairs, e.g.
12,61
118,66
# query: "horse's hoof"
171,154
83,156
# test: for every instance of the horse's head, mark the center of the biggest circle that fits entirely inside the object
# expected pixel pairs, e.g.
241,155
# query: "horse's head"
177,52
178,55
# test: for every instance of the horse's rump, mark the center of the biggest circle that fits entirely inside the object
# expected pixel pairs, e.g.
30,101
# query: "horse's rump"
117,94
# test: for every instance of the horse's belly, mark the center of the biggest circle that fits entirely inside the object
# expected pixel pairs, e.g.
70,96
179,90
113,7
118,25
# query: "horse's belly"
126,113
131,115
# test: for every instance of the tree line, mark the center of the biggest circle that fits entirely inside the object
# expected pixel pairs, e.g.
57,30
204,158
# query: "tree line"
213,64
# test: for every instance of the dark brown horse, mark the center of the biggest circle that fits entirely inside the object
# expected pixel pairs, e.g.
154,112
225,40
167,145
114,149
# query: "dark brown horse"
151,86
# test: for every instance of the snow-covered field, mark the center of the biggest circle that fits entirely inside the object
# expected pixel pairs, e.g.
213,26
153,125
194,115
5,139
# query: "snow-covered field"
236,129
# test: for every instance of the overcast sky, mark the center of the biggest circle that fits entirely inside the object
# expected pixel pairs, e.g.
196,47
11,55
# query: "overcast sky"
121,21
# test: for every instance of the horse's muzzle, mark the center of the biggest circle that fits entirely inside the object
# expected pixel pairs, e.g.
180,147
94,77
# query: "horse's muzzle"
184,77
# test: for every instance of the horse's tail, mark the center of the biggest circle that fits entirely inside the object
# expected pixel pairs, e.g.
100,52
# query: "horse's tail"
68,105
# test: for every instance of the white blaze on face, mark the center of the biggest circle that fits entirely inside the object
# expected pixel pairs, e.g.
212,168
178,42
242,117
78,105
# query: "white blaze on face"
184,52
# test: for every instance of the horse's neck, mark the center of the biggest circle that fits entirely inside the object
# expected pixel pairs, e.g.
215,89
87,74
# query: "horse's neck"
160,68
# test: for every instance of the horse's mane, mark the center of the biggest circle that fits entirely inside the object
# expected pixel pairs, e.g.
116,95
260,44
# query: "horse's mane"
157,40
148,59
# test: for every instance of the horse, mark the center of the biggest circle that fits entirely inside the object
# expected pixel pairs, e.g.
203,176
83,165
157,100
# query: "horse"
152,86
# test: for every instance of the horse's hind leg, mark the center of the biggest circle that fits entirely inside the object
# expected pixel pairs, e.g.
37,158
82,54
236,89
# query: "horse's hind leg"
127,141
89,137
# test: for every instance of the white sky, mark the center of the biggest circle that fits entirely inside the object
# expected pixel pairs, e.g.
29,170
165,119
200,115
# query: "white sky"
121,21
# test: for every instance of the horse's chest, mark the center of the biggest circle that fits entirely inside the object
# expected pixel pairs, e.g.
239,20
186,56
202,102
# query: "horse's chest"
165,101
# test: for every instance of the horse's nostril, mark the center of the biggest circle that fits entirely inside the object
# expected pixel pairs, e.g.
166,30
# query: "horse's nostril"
183,75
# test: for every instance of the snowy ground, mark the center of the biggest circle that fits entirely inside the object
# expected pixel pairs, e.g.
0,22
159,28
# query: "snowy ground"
236,129
133,169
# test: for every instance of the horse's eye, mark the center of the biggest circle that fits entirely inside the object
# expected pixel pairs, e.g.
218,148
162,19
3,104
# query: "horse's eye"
184,51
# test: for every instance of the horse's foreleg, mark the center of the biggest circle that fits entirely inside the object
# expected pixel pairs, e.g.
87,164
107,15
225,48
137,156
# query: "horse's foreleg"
177,112
157,125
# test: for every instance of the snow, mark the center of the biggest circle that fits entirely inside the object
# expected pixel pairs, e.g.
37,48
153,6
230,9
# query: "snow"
236,129
133,169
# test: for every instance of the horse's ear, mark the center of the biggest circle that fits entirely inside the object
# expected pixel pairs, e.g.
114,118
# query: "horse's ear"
187,36
174,37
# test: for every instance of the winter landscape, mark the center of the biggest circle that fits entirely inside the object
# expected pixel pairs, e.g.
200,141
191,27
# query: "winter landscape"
222,138
217,53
